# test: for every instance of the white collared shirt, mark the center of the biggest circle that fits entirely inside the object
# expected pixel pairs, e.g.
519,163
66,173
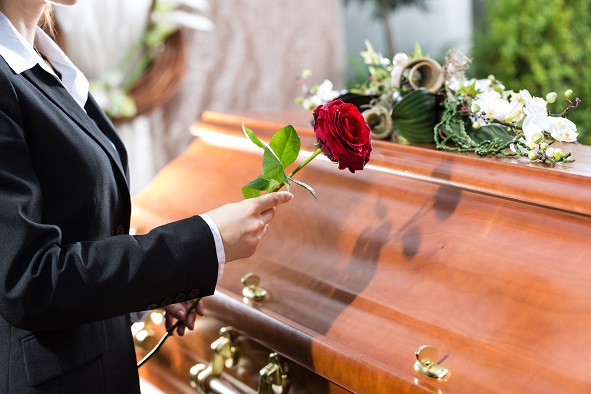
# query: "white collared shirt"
21,56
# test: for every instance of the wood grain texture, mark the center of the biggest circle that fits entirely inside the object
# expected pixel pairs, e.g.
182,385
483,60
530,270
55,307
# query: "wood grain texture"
485,259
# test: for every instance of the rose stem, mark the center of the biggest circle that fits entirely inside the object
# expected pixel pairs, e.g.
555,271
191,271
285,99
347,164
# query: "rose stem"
309,159
166,335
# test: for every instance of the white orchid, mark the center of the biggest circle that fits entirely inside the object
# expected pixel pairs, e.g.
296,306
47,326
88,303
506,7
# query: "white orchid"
494,106
561,129
534,127
533,105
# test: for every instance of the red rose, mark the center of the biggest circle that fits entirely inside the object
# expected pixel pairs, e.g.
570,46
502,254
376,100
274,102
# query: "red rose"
342,134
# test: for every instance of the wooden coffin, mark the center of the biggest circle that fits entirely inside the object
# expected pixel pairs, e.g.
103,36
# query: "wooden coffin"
487,260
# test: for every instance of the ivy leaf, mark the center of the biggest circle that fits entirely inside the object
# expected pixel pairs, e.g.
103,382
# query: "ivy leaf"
254,188
252,136
286,145
273,168
305,186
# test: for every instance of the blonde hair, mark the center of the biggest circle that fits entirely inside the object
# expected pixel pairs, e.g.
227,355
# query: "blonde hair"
46,21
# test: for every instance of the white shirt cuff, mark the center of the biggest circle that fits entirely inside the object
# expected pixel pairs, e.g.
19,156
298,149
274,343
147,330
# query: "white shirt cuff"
219,245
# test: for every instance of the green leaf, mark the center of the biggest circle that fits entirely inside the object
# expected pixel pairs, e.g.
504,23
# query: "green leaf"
254,188
286,145
273,168
305,186
469,90
252,136
415,116
418,51
250,193
492,132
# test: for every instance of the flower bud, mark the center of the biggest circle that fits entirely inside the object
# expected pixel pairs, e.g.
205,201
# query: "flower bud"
533,155
550,152
474,108
400,59
568,93
537,137
557,153
544,146
551,97
491,78
475,125
306,73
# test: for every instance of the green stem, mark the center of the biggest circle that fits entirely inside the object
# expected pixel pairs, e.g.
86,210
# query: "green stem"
309,159
304,163
136,72
166,335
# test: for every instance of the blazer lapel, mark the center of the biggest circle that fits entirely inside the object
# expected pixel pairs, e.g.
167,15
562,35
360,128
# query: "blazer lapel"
57,93
104,124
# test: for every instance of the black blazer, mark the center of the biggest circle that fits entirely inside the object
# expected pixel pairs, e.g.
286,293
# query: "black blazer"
69,271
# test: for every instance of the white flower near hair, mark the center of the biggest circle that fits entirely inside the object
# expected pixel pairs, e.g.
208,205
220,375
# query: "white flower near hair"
169,15
201,5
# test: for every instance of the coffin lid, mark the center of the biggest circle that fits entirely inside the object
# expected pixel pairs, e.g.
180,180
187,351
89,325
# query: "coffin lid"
484,259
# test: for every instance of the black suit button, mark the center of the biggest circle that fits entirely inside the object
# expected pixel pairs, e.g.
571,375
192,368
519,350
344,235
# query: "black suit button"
180,297
120,230
166,302
193,293
152,306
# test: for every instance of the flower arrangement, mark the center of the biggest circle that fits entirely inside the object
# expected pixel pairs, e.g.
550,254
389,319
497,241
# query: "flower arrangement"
415,99
342,135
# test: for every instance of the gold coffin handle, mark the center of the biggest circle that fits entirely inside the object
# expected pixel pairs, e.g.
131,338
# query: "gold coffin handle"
427,365
208,379
223,353
251,290
273,377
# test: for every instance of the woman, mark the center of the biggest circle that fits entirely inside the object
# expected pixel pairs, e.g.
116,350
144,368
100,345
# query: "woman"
70,274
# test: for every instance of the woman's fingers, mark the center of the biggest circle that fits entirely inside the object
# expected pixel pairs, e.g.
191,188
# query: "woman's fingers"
178,312
271,200
242,225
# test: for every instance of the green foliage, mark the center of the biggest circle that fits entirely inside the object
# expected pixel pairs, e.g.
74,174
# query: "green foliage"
279,153
415,116
541,46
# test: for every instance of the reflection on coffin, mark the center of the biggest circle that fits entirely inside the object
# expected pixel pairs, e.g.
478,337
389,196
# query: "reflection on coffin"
427,272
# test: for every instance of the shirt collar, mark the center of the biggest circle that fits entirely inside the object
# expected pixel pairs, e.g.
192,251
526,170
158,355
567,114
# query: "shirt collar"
21,56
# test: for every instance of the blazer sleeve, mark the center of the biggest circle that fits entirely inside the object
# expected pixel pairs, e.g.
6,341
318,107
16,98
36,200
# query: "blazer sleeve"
46,284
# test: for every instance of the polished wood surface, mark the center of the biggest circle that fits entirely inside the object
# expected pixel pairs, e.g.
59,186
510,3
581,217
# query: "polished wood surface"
484,259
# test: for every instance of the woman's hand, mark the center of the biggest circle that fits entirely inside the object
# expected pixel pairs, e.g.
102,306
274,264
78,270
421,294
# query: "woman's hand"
179,312
243,225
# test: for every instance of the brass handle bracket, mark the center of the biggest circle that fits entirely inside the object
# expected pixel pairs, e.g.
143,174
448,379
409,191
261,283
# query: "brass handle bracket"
427,365
224,353
273,377
252,291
